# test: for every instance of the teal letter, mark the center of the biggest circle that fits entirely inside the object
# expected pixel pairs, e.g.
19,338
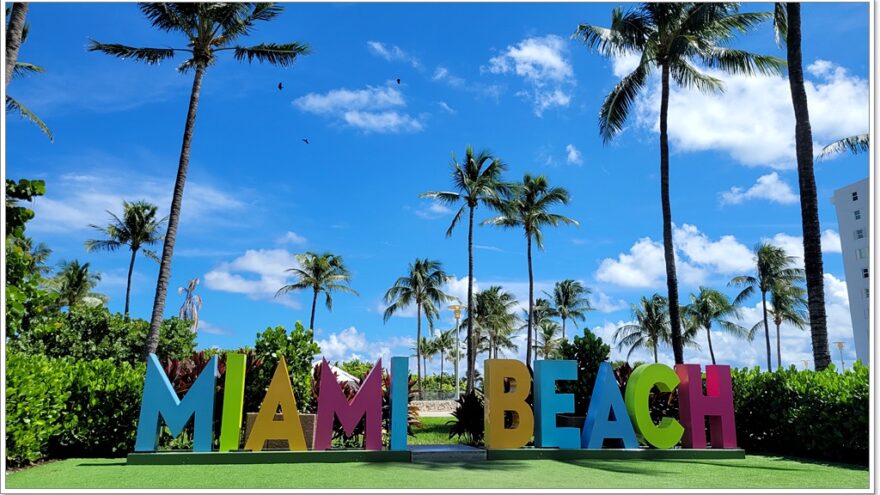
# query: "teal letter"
548,404
399,402
606,402
160,399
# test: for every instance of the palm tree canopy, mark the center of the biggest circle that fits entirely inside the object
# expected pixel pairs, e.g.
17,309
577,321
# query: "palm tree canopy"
860,143
208,28
788,304
138,227
423,286
23,69
772,264
711,306
494,315
325,272
545,339
477,179
74,283
570,300
685,37
651,327
527,205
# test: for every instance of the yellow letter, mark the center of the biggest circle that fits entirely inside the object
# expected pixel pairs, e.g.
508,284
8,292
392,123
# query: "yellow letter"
265,427
499,403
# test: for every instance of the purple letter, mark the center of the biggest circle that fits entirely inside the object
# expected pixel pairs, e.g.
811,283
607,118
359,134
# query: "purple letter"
333,403
717,405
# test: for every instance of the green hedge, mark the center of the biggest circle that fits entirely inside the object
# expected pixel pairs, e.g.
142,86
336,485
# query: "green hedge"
61,407
816,414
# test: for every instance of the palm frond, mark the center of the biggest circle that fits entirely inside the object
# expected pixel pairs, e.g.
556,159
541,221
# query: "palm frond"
736,61
281,54
13,105
25,69
148,55
854,144
617,105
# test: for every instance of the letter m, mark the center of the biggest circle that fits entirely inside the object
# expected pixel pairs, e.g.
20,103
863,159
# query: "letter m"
332,403
160,402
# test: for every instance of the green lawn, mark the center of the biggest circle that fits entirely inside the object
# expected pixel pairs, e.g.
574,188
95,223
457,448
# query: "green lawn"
433,431
751,472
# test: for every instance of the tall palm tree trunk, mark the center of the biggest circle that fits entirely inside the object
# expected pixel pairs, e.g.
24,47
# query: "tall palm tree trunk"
314,303
766,329
128,283
14,33
778,346
668,250
531,302
655,354
563,329
709,338
471,351
173,218
803,136
419,350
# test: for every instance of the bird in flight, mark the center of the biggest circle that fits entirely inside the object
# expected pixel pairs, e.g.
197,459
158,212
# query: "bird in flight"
398,80
280,86
305,140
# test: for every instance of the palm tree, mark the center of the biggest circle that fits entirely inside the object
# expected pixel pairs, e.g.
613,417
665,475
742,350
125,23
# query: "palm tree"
137,229
711,306
192,303
773,266
208,28
16,34
476,180
422,286
570,301
650,330
787,305
860,143
74,283
444,343
325,272
527,205
494,319
787,22
672,37
546,341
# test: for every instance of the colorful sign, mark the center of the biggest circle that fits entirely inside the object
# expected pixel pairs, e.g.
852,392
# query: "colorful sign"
613,419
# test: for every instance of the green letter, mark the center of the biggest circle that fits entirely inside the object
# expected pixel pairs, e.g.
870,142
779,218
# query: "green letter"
638,389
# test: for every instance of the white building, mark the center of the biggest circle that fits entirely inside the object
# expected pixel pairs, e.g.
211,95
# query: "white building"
853,212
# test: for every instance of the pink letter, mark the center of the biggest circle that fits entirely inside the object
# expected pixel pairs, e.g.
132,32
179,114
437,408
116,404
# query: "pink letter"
717,405
333,403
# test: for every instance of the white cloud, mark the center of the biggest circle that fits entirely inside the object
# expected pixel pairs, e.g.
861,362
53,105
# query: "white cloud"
769,187
433,211
373,109
573,155
444,75
74,200
445,106
696,256
258,273
794,244
392,53
206,327
622,65
603,303
830,241
753,120
291,237
350,343
542,62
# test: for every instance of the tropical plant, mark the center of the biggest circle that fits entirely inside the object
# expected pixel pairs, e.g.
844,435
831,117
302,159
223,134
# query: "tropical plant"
787,23
546,340
443,344
192,303
860,143
570,301
589,351
74,283
422,286
468,418
208,28
16,34
673,38
325,273
527,205
651,327
711,306
298,349
494,320
424,348
477,180
788,304
773,266
138,228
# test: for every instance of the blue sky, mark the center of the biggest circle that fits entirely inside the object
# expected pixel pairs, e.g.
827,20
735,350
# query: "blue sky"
502,77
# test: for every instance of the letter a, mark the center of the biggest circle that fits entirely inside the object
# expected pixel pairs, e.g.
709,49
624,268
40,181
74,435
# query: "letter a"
265,427
606,400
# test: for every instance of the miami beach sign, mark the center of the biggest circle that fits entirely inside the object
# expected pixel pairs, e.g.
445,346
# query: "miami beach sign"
623,418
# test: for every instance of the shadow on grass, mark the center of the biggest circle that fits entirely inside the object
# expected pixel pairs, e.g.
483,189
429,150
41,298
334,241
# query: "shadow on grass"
621,466
100,464
440,465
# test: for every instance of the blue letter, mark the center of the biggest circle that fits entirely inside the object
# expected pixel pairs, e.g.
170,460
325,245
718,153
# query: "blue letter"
160,399
399,402
606,400
548,404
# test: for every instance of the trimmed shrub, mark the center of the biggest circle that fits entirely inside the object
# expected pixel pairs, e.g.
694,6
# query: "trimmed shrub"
299,350
589,351
816,414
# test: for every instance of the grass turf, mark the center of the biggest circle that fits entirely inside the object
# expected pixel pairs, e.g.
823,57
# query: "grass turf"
751,472
433,431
